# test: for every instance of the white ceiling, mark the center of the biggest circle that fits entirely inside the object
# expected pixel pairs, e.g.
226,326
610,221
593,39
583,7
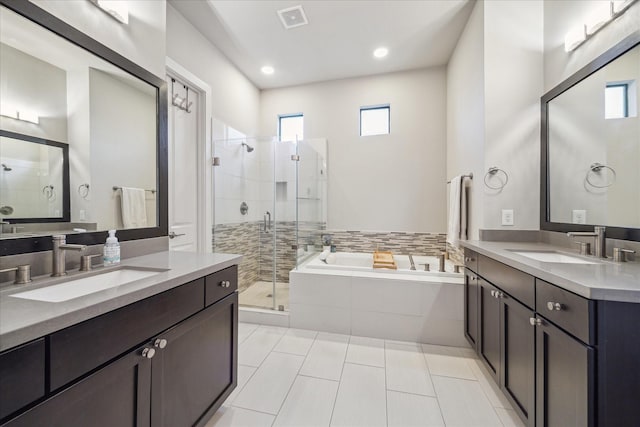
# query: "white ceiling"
337,43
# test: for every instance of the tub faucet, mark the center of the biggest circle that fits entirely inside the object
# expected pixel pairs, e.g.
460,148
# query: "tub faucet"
60,246
413,266
600,240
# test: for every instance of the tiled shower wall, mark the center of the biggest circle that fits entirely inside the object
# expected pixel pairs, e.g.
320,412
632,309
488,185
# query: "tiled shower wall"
249,239
240,238
401,243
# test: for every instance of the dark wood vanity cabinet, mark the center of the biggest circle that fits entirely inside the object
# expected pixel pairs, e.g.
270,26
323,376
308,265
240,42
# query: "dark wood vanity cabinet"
471,308
561,359
181,368
565,376
506,346
196,370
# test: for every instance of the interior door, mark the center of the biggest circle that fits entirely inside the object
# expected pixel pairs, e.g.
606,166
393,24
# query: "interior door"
184,134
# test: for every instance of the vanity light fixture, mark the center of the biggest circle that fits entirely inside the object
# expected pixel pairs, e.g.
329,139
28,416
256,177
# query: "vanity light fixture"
267,69
117,9
25,116
381,52
602,14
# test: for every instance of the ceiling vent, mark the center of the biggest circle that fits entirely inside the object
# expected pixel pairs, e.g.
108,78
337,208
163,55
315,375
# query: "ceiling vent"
293,17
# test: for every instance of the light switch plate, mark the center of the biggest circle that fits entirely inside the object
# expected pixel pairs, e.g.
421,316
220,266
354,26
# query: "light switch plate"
579,216
507,216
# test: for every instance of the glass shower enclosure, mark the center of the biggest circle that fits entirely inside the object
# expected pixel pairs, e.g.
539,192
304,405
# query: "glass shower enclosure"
270,206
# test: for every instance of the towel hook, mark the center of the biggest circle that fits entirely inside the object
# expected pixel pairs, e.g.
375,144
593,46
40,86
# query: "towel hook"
493,172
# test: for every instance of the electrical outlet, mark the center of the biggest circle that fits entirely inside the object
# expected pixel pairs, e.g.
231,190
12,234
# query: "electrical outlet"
579,216
507,216
83,215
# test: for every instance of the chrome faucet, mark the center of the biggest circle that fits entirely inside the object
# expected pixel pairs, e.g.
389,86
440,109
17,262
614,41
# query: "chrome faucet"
60,246
413,265
600,240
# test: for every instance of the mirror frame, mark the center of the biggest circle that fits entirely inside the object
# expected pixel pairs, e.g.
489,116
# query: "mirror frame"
66,197
58,27
613,232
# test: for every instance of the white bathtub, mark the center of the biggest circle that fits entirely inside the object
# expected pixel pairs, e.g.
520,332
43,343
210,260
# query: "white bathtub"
348,296
364,262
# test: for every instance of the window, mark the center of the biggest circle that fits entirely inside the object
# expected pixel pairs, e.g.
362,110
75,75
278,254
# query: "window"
616,101
374,120
291,127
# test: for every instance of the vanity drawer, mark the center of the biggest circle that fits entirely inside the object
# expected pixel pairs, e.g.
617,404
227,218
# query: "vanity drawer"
22,376
220,284
83,347
471,260
574,313
519,285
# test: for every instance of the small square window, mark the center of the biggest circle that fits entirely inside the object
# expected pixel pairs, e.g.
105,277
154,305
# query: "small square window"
291,127
616,101
374,120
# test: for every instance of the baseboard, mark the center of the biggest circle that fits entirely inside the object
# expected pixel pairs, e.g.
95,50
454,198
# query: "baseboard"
264,317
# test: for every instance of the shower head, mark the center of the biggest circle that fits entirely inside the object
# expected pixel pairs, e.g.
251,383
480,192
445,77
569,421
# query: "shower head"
248,147
5,167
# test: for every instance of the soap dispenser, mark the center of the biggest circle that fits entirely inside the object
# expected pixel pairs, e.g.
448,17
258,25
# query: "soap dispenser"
111,253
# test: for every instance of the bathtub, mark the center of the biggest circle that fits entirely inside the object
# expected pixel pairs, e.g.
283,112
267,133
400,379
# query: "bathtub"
346,295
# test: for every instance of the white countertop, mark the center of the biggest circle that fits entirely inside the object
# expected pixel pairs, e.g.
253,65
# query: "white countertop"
606,280
22,320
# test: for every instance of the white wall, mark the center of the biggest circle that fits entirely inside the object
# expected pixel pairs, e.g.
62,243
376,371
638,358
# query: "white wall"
392,182
35,86
562,15
465,113
126,161
513,55
141,41
236,100
494,85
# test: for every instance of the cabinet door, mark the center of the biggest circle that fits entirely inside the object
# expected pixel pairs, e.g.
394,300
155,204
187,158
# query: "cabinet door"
116,395
197,368
518,357
564,379
471,308
489,327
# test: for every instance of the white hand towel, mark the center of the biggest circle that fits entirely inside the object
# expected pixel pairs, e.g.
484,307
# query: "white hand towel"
455,211
134,210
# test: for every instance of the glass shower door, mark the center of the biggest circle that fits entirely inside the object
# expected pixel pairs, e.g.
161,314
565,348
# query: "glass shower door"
311,197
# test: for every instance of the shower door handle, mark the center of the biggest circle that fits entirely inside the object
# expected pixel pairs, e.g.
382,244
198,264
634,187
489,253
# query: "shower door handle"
267,222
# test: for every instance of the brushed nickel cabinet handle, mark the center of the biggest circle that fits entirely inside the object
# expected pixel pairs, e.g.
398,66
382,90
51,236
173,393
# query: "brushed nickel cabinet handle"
554,306
148,353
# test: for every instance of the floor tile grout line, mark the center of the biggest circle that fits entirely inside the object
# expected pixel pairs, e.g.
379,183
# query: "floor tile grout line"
335,400
245,384
297,375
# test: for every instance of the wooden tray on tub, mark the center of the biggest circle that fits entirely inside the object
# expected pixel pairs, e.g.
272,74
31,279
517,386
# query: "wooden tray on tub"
384,259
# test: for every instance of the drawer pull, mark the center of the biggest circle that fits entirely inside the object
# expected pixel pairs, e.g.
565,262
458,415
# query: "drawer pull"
493,293
498,294
148,353
551,306
535,322
468,259
160,343
225,283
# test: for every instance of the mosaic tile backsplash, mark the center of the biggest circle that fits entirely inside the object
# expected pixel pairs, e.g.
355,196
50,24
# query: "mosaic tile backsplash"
401,243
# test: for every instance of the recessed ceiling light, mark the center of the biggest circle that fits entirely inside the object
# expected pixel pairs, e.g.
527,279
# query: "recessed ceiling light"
267,69
380,52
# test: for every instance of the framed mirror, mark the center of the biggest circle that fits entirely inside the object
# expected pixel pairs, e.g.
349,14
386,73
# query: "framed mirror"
590,158
34,180
109,117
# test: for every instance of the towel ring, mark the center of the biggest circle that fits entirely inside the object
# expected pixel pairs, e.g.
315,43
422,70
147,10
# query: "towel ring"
83,190
49,192
597,168
493,171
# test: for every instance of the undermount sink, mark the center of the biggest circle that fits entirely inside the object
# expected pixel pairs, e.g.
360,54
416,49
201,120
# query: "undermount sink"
89,284
552,256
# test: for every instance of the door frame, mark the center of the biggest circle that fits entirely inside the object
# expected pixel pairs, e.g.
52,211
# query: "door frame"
204,190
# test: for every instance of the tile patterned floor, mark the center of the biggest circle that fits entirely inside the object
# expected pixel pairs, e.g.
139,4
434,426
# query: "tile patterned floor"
292,377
